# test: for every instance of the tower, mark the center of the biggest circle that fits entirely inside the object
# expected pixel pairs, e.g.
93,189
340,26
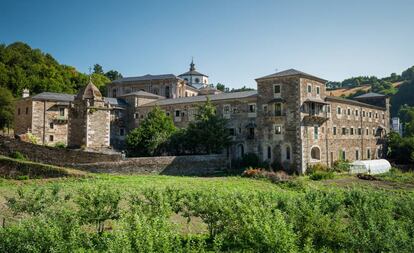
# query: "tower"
194,78
89,119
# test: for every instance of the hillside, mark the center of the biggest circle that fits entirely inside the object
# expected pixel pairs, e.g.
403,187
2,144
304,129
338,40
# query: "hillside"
349,92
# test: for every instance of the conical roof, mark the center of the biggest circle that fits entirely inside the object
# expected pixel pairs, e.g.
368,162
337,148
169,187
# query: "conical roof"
90,91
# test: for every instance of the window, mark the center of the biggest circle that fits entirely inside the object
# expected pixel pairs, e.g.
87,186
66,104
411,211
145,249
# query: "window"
62,112
269,153
114,93
368,153
315,153
186,94
177,113
278,129
232,132
318,90
309,88
370,114
276,88
356,112
329,108
344,131
278,109
359,131
342,155
376,115
136,115
366,131
51,125
339,111
357,154
265,108
363,113
226,109
349,111
334,130
351,130
167,91
252,107
18,111
51,137
27,110
197,80
315,132
287,152
251,132
121,131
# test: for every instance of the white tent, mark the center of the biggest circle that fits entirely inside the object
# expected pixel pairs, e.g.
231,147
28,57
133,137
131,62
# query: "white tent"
370,166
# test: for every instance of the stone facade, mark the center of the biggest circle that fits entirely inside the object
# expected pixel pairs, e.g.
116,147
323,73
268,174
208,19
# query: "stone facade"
290,121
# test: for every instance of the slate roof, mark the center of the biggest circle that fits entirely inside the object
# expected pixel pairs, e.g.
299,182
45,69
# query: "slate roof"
147,77
142,94
291,72
192,73
351,101
370,95
195,99
63,97
53,96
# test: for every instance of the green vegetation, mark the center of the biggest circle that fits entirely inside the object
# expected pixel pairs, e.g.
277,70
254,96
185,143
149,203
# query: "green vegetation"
182,214
23,67
6,108
151,136
19,168
157,134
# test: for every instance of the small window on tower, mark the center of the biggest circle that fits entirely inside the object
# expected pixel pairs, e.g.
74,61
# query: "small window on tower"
197,80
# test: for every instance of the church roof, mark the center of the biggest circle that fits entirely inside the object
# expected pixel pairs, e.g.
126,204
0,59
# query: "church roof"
292,72
147,77
192,71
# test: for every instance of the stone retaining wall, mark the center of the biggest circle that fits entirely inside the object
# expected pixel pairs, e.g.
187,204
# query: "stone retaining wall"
202,165
51,155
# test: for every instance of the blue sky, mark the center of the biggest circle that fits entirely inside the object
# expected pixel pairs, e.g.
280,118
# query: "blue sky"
232,41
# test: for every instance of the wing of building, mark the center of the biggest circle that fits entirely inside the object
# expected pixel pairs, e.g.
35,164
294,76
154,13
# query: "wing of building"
290,120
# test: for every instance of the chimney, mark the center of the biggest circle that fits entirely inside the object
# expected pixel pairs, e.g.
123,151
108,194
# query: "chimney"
26,93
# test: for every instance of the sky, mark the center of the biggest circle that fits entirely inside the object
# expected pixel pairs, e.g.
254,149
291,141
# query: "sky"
232,41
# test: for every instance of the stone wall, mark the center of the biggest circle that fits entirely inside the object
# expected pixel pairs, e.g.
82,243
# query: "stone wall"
202,165
50,155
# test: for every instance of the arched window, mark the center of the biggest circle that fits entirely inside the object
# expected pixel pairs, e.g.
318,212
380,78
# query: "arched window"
197,80
269,153
288,153
315,153
240,150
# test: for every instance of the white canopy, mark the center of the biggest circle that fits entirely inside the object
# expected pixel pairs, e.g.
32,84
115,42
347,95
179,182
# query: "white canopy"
370,166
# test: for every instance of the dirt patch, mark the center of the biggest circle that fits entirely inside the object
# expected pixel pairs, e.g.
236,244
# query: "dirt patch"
379,184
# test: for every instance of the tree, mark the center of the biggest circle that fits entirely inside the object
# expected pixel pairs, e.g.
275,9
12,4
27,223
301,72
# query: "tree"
221,87
6,108
408,74
113,75
152,135
244,88
97,69
208,134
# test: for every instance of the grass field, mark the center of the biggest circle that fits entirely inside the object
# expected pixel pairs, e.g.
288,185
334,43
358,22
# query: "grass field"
222,213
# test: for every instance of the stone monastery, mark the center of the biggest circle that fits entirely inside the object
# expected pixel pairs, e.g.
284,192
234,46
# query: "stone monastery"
290,119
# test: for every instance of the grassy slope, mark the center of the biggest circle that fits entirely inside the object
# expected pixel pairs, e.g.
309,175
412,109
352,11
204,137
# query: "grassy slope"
349,91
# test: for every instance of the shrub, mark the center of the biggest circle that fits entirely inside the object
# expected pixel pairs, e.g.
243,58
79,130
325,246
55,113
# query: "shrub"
341,166
316,168
60,145
18,155
321,175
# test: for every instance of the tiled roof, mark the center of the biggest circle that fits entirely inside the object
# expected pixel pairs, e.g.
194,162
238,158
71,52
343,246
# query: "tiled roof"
63,97
291,72
195,99
370,95
146,78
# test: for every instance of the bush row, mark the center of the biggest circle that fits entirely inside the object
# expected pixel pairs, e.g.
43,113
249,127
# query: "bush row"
283,221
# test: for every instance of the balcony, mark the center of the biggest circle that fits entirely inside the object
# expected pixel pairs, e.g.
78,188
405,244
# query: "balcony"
315,111
60,119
